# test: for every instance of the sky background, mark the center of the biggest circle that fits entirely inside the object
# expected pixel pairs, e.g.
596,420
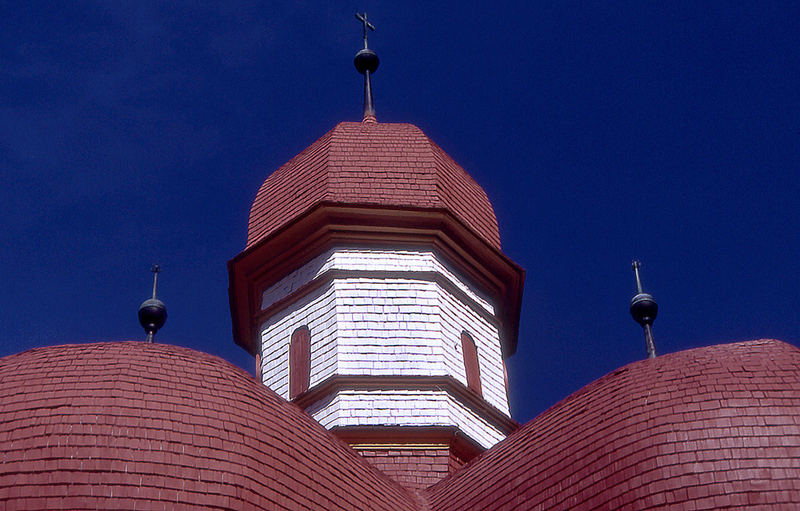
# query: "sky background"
140,132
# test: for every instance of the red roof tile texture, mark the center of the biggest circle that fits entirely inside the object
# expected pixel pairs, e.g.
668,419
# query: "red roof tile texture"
153,426
379,164
416,469
709,428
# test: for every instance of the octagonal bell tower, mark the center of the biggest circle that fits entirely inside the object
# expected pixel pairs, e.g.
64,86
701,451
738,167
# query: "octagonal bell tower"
374,294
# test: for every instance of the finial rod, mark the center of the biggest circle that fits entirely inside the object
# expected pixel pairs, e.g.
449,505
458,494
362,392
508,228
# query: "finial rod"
636,265
156,269
369,106
649,342
644,310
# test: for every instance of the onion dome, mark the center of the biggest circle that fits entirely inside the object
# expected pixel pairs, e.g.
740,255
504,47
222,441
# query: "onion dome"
150,426
371,164
707,428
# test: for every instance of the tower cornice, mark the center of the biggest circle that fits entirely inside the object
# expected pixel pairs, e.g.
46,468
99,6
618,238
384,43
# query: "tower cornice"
495,417
330,224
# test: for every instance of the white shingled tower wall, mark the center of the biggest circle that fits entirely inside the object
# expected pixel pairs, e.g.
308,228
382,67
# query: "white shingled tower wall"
363,323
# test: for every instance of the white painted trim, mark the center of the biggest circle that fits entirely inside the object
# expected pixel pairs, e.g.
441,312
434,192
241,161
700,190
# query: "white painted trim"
403,408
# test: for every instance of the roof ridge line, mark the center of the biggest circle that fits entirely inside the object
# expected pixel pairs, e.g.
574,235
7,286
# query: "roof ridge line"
432,148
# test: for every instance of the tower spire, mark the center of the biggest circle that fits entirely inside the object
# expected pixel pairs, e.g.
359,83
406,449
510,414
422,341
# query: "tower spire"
644,310
153,312
366,62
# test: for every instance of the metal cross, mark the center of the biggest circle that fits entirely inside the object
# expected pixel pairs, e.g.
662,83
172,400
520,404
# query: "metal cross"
367,25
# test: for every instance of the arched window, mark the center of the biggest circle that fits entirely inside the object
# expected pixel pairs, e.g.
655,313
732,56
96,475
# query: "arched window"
299,362
471,366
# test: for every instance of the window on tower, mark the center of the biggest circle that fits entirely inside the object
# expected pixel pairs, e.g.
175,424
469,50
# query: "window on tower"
299,362
471,366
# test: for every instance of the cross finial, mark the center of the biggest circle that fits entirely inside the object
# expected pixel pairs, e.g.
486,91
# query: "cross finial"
367,25
366,63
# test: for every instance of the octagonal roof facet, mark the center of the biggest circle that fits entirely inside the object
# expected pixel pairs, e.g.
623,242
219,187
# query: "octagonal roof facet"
371,164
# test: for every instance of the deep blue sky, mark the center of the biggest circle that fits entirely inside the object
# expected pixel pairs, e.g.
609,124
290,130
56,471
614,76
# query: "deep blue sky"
134,132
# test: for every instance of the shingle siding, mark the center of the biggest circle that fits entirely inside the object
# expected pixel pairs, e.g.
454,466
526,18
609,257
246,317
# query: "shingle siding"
369,326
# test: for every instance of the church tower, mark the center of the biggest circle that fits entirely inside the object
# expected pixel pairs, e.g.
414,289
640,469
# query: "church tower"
373,293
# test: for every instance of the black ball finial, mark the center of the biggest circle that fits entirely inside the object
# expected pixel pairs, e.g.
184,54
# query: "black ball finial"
644,310
153,312
152,316
366,60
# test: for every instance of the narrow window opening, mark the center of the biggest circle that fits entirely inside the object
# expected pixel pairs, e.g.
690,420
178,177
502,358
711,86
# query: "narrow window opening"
471,366
299,362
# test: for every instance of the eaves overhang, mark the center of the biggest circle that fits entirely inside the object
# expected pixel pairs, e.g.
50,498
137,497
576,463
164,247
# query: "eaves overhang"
330,224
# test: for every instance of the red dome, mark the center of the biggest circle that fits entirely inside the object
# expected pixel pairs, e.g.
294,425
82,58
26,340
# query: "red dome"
153,426
387,165
707,428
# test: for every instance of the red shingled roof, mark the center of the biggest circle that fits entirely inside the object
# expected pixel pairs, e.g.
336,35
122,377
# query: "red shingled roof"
707,428
388,165
153,426
161,427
